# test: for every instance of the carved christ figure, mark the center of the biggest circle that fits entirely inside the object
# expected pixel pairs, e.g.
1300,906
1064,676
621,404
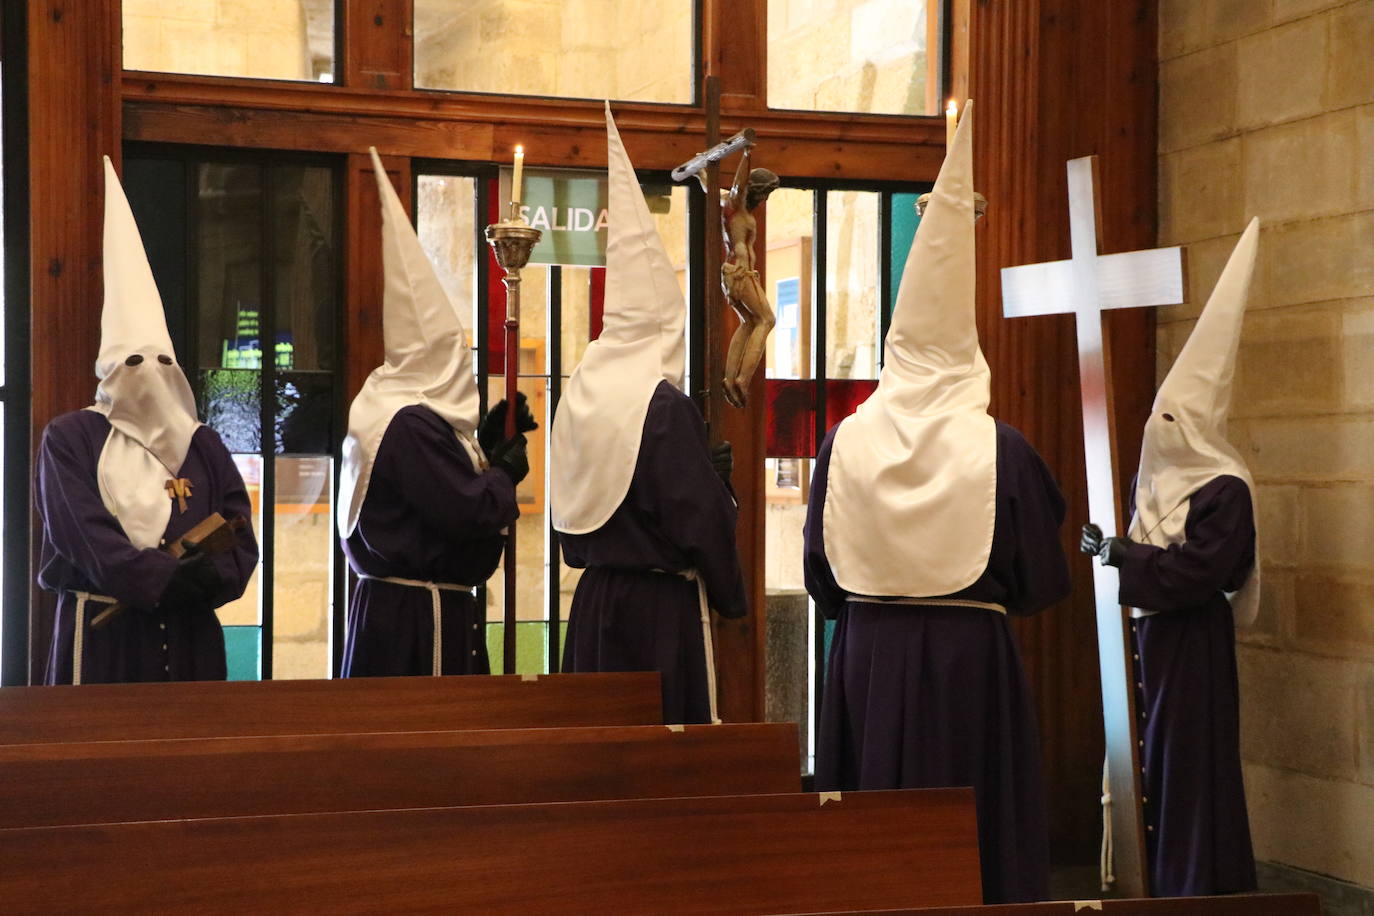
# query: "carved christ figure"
739,277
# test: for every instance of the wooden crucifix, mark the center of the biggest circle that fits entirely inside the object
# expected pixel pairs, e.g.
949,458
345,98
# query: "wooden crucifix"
1085,286
727,379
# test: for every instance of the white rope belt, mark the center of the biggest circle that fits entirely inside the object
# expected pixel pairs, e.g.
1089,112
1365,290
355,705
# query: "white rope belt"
930,602
78,632
691,575
434,588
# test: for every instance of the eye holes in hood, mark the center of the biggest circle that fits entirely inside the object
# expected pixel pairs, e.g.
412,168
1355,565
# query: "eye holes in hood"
1168,416
134,360
164,359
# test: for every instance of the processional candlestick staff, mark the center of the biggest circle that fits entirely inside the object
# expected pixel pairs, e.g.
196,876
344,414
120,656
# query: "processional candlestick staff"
512,239
1085,286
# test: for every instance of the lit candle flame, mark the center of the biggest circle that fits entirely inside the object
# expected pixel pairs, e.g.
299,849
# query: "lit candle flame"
517,178
951,122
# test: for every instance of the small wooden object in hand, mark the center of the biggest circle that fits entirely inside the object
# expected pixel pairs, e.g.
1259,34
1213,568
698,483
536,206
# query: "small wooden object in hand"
212,535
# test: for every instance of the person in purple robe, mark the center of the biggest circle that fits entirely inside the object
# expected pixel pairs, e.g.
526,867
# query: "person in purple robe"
929,523
638,498
425,510
1189,572
119,482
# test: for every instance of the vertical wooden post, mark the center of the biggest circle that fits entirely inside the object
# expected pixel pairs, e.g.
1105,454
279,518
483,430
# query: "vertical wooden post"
74,119
713,363
378,43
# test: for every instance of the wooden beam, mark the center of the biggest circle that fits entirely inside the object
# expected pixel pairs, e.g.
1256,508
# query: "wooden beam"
568,133
74,119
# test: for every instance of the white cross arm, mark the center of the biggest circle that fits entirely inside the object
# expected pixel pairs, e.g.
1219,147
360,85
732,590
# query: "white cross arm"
1132,279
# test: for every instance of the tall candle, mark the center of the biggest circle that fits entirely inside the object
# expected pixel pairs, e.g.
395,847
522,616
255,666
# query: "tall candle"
951,122
515,183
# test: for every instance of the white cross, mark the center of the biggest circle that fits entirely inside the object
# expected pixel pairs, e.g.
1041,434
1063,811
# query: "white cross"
1085,286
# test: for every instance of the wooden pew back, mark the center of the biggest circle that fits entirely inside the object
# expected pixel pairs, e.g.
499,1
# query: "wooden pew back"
734,854
1235,905
112,781
208,709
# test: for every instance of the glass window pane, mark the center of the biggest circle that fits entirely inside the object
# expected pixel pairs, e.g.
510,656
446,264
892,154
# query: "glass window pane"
230,403
304,268
901,234
305,413
302,572
851,285
869,56
613,49
788,640
446,223
791,418
246,611
229,265
582,306
788,272
243,652
270,39
156,189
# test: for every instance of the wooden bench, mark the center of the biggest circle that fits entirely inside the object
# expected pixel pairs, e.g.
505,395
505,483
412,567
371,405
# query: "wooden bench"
211,709
111,781
1236,905
731,854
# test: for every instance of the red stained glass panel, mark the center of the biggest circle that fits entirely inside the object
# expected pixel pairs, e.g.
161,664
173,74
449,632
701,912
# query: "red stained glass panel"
843,397
791,422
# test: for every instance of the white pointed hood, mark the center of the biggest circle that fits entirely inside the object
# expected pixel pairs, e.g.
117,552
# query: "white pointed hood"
1181,455
151,409
600,418
911,496
427,358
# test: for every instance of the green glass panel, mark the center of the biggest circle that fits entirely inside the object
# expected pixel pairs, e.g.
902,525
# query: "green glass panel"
903,232
243,647
531,645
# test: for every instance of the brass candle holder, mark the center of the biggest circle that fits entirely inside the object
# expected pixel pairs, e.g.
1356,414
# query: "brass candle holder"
511,240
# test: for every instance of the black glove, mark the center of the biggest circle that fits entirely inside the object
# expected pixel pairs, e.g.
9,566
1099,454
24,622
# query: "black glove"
194,583
723,460
492,430
510,457
1111,550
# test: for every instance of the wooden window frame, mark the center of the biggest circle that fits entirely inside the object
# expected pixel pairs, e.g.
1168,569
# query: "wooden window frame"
373,102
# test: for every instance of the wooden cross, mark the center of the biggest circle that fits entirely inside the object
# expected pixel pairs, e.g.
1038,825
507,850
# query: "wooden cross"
178,488
1085,286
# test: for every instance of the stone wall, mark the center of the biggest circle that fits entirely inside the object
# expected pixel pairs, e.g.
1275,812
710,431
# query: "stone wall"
848,55
1267,109
277,39
578,48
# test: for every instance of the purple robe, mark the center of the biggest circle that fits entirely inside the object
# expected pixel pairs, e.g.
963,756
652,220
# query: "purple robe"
85,550
632,611
925,697
429,516
1197,833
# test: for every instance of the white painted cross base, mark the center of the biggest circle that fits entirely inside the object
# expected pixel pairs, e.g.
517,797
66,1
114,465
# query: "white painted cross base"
1085,286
